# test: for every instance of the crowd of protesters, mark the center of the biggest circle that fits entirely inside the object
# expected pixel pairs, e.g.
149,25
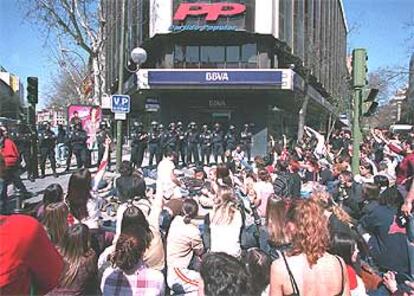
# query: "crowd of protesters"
294,222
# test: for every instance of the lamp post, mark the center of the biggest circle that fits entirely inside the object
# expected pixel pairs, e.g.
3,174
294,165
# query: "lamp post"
138,57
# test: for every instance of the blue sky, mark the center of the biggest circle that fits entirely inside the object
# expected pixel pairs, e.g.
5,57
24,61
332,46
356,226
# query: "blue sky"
379,23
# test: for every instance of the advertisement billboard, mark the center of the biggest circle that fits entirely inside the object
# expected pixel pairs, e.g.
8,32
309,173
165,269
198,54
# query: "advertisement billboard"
90,117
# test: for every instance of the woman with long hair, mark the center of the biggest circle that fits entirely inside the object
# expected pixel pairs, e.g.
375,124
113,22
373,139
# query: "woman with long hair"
52,194
226,223
345,246
183,243
276,212
307,262
55,221
80,273
128,274
264,189
128,216
82,199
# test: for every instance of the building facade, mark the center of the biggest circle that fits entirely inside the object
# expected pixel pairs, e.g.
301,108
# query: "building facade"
12,99
239,61
54,116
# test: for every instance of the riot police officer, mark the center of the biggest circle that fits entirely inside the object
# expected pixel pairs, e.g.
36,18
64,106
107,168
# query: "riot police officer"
47,142
78,143
163,141
192,143
181,143
171,140
218,143
246,141
154,148
101,137
205,143
23,140
231,138
139,140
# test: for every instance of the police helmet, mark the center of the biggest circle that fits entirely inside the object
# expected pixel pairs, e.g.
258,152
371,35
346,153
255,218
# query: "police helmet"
232,127
246,125
46,124
102,125
154,123
138,123
171,125
160,126
179,124
205,126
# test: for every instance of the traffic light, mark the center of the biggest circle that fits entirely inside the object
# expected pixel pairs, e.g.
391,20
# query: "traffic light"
369,106
32,91
359,67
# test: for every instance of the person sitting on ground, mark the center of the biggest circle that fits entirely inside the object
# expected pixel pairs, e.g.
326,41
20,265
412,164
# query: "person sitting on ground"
308,261
168,185
183,243
345,246
55,221
226,223
223,275
127,215
80,273
28,258
129,185
128,274
52,194
258,267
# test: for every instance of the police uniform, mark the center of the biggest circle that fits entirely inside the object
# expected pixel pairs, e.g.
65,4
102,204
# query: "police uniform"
101,136
192,144
47,142
172,137
181,143
205,143
230,139
153,144
78,139
246,141
163,142
139,140
23,140
218,147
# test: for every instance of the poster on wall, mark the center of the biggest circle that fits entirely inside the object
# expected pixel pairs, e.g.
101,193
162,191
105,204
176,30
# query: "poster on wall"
90,117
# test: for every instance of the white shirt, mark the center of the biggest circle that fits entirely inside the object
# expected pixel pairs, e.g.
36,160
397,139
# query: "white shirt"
165,184
226,237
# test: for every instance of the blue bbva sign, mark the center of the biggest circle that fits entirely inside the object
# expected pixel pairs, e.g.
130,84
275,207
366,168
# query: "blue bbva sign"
215,77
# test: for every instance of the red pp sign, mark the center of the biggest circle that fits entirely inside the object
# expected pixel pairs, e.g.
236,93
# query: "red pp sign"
211,11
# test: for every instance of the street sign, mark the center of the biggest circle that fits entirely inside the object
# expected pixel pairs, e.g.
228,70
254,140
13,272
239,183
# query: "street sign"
120,116
120,103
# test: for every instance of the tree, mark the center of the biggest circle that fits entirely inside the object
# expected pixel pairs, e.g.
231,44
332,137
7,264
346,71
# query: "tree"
77,24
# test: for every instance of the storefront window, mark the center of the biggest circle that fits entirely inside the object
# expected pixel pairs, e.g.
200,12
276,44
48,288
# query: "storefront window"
249,55
232,56
209,56
212,56
192,57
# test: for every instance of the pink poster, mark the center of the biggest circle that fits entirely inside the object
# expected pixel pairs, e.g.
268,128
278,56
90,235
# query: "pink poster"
90,117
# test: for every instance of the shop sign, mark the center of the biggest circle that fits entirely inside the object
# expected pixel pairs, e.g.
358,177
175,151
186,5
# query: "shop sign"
217,103
202,28
211,11
215,77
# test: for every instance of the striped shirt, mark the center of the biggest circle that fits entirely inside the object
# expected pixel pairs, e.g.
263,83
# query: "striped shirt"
142,281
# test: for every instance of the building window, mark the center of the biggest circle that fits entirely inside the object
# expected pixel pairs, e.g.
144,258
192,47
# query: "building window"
232,56
249,55
212,56
192,56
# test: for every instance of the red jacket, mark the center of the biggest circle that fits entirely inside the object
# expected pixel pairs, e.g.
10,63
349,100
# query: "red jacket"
10,152
405,169
27,257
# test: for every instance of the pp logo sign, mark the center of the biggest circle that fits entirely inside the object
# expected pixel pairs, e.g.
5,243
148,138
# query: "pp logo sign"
211,11
120,103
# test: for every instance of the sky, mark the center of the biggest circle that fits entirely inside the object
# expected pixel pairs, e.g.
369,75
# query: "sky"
377,25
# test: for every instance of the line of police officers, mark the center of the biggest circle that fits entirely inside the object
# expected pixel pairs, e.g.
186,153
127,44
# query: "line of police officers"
74,141
193,146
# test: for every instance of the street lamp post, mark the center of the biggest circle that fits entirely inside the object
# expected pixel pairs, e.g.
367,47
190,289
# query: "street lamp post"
138,57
